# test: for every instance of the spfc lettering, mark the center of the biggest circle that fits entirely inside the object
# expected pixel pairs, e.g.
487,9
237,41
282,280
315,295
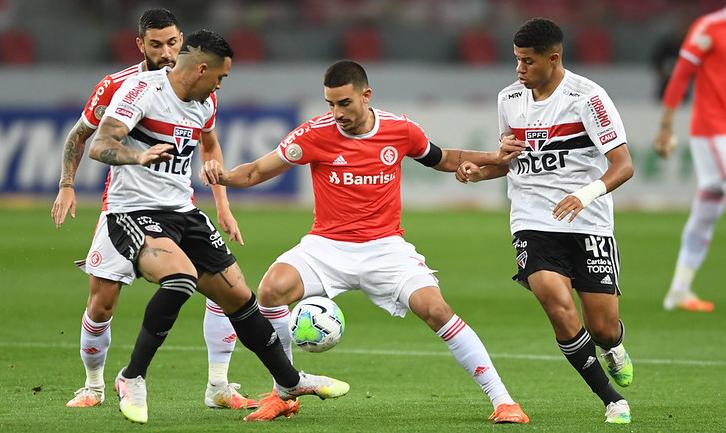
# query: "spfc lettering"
536,138
182,136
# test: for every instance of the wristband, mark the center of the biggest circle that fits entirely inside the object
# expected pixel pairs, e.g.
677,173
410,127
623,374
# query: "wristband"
590,192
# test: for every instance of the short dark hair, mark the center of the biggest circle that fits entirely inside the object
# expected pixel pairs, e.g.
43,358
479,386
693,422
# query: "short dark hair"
156,19
209,42
540,34
345,72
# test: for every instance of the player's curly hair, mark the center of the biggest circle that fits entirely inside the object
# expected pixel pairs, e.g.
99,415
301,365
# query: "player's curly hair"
209,42
345,72
539,34
156,19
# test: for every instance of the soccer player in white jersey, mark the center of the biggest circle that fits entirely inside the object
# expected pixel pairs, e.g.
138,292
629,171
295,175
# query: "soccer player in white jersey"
159,41
561,210
148,135
356,243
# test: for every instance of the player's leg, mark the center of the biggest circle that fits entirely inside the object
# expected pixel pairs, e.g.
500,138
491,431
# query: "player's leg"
96,339
425,300
554,293
706,209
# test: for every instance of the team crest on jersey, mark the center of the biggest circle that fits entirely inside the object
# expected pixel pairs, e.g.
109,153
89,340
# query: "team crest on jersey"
536,138
522,260
389,155
182,137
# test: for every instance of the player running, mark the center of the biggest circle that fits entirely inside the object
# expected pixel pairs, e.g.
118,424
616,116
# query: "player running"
561,213
159,41
355,154
702,56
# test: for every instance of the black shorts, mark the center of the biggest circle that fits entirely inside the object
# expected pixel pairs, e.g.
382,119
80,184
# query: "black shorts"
192,231
592,262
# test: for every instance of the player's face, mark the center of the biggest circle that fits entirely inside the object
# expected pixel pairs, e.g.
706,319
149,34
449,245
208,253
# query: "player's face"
349,106
210,79
160,47
535,70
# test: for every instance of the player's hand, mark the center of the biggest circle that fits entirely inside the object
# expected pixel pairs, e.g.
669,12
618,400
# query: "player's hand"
468,172
64,201
665,142
567,205
211,173
156,153
228,223
509,148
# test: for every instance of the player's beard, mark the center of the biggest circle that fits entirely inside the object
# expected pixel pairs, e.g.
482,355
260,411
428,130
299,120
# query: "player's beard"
151,66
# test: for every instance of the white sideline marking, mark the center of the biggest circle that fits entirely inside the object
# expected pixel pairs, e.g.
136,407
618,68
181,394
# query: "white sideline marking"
378,352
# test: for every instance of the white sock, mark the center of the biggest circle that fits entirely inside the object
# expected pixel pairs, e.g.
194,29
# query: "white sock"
470,353
706,210
279,318
221,338
95,341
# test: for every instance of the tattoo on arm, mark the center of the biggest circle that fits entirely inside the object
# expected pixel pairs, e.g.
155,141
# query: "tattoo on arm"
107,146
73,152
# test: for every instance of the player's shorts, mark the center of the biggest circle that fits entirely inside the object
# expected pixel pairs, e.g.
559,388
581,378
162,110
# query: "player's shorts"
591,262
387,270
709,160
120,236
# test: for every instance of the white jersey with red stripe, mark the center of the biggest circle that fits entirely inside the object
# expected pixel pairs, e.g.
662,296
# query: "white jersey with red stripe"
103,92
148,106
568,135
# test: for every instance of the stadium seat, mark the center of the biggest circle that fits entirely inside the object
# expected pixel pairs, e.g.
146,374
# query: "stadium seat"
17,47
594,45
362,44
123,47
247,45
477,47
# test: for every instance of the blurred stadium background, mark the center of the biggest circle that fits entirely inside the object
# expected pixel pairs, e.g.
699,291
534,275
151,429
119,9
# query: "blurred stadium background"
440,62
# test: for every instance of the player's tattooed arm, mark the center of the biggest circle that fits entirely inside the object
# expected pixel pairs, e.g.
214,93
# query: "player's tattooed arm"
73,152
108,148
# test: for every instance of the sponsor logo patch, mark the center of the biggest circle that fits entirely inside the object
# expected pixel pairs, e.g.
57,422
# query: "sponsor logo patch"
293,152
98,112
610,136
123,112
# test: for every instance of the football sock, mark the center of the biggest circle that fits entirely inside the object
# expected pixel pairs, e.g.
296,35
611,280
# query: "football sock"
220,338
706,209
470,353
95,341
279,317
580,351
258,335
161,313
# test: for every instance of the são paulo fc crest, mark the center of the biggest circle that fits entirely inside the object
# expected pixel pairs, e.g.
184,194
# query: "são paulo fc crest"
522,260
182,136
389,155
536,138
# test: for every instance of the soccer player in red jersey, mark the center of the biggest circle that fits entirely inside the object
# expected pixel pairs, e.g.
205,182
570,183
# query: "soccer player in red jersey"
159,42
701,58
356,242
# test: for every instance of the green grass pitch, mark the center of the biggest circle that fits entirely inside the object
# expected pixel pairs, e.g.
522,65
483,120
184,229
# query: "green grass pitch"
402,377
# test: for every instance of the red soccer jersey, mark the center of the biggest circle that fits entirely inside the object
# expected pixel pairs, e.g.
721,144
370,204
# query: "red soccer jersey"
356,179
705,48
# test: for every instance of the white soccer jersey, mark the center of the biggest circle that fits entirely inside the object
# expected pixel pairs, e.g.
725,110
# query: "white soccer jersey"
568,135
148,106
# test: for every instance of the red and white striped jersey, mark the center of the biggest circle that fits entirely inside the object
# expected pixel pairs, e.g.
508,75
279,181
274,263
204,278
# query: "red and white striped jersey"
356,178
148,106
103,92
568,135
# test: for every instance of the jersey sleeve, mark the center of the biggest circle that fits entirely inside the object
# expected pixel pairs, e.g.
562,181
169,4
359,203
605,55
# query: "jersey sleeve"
602,121
97,102
504,127
297,146
418,141
130,102
212,121
698,42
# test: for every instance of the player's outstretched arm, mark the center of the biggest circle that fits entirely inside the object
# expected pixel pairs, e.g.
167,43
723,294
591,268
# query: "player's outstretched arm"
619,171
72,153
509,148
470,172
108,148
244,175
211,150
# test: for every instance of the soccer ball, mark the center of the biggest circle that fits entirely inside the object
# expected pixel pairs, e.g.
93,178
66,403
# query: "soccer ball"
316,324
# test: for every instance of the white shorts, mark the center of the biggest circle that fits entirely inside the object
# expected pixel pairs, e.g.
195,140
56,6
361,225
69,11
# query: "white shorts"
104,260
709,159
388,270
